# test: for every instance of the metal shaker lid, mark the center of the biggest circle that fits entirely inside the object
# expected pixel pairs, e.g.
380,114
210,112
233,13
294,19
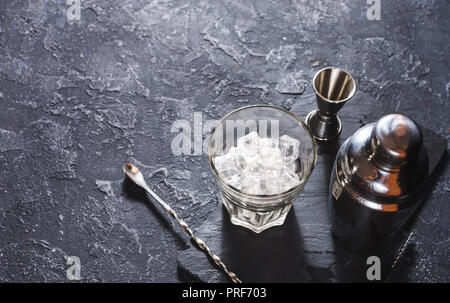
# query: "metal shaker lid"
385,164
396,139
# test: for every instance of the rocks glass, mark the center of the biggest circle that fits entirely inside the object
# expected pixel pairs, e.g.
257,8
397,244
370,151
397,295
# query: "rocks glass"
255,152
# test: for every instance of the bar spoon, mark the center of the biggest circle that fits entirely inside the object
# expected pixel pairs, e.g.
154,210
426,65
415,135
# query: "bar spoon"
136,176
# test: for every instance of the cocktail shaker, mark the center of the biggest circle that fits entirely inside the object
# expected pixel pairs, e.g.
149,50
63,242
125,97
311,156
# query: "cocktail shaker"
379,177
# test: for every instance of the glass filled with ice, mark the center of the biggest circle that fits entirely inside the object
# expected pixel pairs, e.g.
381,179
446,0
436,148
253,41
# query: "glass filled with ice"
262,157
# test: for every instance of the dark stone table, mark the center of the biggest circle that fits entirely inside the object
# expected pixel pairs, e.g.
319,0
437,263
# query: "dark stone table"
80,97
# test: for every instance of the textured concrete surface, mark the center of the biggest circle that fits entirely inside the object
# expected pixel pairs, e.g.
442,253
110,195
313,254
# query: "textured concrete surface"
80,97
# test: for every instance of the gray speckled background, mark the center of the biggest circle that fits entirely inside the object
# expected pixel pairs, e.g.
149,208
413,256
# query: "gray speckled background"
79,98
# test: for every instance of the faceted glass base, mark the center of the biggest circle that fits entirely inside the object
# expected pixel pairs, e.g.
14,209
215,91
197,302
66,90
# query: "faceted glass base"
257,221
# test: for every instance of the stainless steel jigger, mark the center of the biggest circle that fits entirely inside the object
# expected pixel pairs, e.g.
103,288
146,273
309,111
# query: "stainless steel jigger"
333,86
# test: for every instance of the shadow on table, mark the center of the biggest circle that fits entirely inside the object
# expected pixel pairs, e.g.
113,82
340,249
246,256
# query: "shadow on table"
274,255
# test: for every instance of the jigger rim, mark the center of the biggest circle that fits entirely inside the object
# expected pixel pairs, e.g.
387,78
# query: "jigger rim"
329,100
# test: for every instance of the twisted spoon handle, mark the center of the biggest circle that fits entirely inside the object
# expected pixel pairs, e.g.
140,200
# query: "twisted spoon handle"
402,250
197,240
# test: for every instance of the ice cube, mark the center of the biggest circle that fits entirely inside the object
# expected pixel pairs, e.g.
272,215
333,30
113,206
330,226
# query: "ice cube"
226,166
252,186
236,181
268,148
288,181
271,167
238,158
254,166
260,166
249,143
271,187
267,144
291,167
289,148
220,162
